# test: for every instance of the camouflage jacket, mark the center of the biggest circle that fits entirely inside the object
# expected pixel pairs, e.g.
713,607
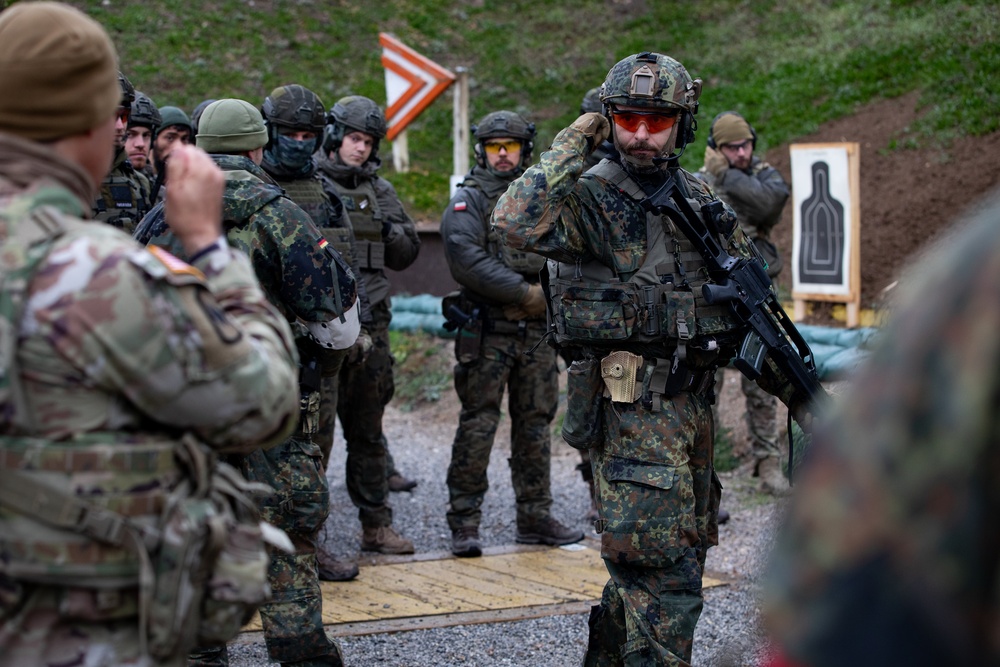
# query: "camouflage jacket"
398,232
329,216
889,553
478,260
287,252
757,194
117,339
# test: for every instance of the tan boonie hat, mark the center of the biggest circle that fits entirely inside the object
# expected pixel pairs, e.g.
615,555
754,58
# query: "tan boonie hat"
58,72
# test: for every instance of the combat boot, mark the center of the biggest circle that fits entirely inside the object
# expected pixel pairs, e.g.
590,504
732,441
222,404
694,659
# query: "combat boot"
334,658
465,542
332,568
547,531
398,483
384,539
772,478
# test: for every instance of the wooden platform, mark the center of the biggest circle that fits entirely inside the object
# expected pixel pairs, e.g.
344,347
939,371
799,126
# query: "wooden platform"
438,590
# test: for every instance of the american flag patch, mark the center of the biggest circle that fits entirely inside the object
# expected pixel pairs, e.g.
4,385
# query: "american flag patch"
460,206
173,264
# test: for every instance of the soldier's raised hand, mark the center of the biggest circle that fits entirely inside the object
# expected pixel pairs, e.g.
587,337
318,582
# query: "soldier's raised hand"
193,204
595,126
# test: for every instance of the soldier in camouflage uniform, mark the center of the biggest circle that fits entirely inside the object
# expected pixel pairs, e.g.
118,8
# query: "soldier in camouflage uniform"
386,238
313,288
142,123
296,118
757,192
640,395
123,200
110,351
889,555
502,296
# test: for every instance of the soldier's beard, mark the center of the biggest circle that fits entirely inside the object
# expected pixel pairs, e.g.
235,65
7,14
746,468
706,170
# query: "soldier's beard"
641,163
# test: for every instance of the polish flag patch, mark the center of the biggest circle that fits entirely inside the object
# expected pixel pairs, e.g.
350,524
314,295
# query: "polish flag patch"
460,206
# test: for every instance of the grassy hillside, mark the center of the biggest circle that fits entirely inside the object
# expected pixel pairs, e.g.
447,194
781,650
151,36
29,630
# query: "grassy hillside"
789,66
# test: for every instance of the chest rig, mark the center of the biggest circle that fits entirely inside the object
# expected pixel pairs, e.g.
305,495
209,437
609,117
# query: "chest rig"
121,201
656,309
366,220
309,195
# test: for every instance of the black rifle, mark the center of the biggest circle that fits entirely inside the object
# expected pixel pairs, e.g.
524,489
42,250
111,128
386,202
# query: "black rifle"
744,285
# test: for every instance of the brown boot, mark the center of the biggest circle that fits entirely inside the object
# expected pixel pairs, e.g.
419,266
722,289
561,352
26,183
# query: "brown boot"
397,483
333,569
547,531
772,477
384,539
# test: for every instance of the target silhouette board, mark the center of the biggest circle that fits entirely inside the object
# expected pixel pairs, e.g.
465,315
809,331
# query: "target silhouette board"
826,226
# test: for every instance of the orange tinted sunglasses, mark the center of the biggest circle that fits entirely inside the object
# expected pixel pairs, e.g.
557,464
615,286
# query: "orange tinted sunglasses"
123,114
510,146
655,122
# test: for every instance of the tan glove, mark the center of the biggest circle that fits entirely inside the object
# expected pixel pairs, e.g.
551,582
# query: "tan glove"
595,126
531,306
715,162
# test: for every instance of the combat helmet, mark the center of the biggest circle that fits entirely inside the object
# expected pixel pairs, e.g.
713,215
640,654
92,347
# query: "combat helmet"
128,90
503,124
144,112
295,107
654,81
591,101
354,114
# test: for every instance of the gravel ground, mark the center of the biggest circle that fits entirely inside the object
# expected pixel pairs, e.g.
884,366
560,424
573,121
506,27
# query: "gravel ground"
420,442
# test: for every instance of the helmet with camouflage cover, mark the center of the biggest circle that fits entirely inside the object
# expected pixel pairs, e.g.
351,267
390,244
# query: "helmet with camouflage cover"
591,101
354,114
504,124
656,82
294,107
144,112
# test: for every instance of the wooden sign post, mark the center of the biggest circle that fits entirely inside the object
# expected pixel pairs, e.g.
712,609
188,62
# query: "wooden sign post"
826,232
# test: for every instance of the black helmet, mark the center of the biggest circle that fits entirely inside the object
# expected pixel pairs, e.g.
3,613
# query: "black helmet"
144,112
504,124
591,102
354,114
294,107
128,90
196,115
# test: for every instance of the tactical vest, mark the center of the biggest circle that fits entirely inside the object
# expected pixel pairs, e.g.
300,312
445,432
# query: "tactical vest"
660,304
121,201
310,196
366,220
528,264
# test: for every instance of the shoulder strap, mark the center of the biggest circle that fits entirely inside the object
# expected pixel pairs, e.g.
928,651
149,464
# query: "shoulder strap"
612,172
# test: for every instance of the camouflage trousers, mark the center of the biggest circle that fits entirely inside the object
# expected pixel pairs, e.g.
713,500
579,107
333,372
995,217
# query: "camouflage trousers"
761,417
532,383
292,619
364,391
51,626
658,500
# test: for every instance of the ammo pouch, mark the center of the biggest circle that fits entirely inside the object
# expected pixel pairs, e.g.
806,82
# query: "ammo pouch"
583,423
202,565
